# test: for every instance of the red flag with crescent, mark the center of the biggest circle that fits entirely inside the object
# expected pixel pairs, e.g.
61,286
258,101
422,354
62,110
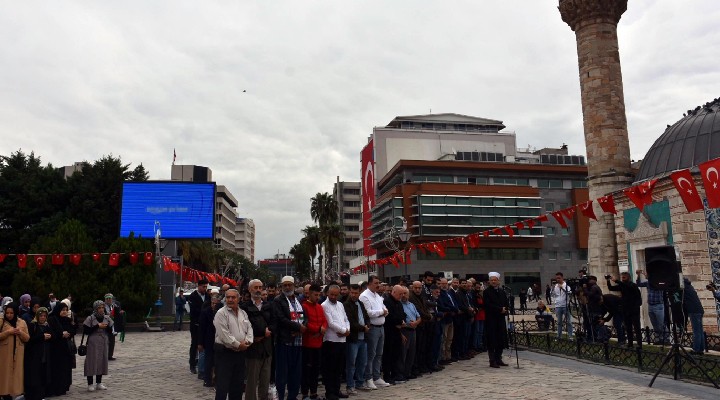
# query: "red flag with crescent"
711,181
75,258
686,188
134,257
530,223
57,259
607,203
40,260
22,260
641,195
114,259
559,218
586,209
96,257
509,230
148,258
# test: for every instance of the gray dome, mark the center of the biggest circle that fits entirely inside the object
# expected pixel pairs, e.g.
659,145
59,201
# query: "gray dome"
689,142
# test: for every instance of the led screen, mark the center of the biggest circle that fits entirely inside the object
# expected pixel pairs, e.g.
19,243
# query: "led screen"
183,210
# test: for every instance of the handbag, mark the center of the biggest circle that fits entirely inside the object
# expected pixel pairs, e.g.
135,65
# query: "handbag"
72,346
82,349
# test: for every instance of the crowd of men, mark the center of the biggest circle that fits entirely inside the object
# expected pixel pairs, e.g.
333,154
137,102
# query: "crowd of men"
363,337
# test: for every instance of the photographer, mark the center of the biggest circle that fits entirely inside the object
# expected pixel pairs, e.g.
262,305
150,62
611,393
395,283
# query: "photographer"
560,293
594,297
714,289
631,302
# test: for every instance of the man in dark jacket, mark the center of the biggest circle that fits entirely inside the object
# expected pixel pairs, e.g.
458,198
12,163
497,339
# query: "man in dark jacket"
259,356
289,322
694,310
356,346
496,305
593,294
631,302
196,300
206,338
421,332
394,340
447,310
461,322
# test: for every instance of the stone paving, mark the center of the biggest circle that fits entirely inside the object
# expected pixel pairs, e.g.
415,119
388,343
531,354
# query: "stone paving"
154,366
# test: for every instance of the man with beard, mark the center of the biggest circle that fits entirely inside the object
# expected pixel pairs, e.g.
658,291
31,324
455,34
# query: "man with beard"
421,332
496,308
259,355
631,302
316,325
290,325
448,308
233,336
356,345
333,347
206,338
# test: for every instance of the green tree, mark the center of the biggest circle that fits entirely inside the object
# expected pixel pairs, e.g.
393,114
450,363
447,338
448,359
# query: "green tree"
302,259
97,196
314,243
332,237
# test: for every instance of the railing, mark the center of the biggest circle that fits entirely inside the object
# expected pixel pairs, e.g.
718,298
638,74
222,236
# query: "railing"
645,359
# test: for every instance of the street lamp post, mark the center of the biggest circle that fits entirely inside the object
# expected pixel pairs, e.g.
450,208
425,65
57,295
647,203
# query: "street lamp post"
394,236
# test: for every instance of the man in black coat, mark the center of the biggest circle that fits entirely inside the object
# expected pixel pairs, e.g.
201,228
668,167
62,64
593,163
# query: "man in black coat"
259,356
631,302
447,306
356,345
196,300
496,308
394,340
461,321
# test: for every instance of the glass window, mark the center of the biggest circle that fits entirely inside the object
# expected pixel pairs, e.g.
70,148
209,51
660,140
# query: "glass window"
549,231
446,179
552,255
565,231
462,179
567,255
549,207
582,254
579,184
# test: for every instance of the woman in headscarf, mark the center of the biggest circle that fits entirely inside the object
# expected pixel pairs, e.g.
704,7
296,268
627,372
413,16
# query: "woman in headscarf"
97,327
24,307
13,336
63,331
29,314
37,356
4,303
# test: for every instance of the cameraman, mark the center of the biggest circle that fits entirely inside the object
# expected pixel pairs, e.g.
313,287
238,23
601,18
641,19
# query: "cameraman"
631,302
560,293
595,311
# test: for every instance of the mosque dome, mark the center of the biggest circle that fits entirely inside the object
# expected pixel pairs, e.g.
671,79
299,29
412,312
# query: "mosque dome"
691,141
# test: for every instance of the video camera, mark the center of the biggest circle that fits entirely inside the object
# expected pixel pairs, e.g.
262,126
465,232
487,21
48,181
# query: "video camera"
711,286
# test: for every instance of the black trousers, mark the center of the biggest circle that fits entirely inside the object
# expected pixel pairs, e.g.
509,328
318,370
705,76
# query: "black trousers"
111,345
333,362
392,350
421,353
310,371
459,339
194,327
229,374
632,326
495,354
430,329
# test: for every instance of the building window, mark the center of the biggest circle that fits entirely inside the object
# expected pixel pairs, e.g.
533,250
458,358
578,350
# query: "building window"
550,183
351,204
582,254
565,231
552,255
579,184
567,255
549,231
549,207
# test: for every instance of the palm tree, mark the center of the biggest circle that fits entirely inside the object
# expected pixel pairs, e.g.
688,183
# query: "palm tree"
312,234
332,237
323,209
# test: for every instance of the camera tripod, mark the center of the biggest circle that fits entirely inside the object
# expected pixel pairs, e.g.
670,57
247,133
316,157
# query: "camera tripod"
677,352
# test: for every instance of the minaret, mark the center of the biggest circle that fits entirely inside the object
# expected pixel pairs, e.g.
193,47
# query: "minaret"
606,138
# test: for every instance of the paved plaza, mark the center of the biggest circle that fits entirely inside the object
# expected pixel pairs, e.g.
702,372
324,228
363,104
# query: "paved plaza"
154,366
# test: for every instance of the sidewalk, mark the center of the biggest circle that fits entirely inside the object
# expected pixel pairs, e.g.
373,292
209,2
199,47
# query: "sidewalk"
154,366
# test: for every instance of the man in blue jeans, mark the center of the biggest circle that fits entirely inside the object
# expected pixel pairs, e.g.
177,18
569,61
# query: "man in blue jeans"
560,293
656,309
356,346
695,311
375,337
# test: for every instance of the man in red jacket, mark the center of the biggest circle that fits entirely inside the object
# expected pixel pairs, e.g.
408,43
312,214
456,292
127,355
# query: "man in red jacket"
312,341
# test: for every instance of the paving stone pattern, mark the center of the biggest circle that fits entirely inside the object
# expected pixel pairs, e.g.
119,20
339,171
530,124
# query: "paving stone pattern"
154,366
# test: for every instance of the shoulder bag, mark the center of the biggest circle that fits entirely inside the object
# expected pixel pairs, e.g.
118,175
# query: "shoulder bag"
82,349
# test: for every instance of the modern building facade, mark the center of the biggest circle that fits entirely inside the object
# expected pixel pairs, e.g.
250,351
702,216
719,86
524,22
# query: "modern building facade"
281,265
245,238
225,203
451,175
347,196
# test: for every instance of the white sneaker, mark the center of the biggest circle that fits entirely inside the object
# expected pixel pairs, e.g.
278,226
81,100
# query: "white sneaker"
381,383
370,385
100,386
91,388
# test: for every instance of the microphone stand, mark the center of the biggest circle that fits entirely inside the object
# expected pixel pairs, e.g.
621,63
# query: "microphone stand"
512,319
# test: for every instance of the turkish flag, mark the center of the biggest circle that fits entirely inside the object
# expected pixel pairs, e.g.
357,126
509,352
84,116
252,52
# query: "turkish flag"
394,260
148,258
542,218
463,242
474,240
519,225
75,258
569,212
586,209
166,263
559,218
408,259
509,230
711,181
641,195
607,203
40,261
486,233
57,259
439,249
22,260
134,257
96,257
530,223
686,188
114,260
2,257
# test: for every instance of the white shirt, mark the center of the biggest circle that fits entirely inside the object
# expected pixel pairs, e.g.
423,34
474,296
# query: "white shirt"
374,306
231,329
337,321
559,294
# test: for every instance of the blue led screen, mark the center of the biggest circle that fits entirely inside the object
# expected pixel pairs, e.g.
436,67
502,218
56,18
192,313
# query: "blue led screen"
183,210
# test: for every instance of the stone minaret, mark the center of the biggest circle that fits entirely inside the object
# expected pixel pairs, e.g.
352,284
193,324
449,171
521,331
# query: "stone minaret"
606,138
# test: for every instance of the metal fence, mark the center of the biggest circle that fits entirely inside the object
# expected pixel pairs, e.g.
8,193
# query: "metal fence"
645,359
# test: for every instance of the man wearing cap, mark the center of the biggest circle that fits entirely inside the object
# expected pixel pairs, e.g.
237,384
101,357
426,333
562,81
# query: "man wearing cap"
496,308
290,326
114,311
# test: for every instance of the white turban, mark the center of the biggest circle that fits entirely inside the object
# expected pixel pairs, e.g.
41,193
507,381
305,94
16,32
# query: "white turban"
495,274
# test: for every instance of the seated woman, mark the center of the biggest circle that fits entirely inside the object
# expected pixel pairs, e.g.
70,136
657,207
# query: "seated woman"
543,316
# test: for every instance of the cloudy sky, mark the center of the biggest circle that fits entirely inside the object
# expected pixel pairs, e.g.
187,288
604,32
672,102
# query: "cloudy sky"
278,97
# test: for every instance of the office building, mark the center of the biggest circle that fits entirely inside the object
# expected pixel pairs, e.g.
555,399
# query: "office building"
245,238
347,196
